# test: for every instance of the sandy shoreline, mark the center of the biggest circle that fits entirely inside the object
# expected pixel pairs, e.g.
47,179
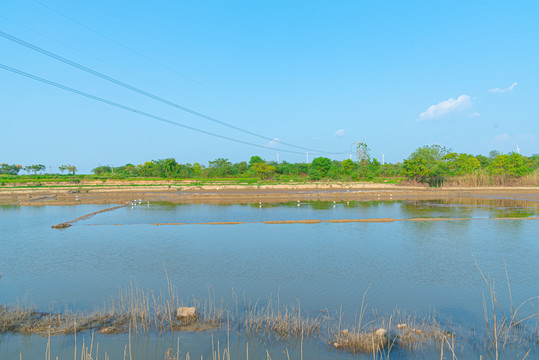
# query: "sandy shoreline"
227,194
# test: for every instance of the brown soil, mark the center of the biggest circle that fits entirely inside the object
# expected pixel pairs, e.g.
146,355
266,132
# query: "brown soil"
227,194
315,221
84,217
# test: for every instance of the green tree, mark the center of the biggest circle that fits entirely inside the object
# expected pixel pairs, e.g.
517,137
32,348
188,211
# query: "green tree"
221,166
362,153
493,154
425,164
34,168
374,168
347,167
460,164
71,168
431,153
100,170
197,169
321,165
148,169
314,174
6,169
509,165
483,161
532,162
130,170
167,167
264,170
255,160
240,168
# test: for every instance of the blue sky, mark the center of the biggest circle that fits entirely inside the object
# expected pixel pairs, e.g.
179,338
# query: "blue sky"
323,75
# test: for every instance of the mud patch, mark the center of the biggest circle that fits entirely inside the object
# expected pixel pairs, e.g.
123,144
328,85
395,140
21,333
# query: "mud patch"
67,224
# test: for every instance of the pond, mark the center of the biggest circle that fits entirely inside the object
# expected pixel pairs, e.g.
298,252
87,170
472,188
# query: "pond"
429,268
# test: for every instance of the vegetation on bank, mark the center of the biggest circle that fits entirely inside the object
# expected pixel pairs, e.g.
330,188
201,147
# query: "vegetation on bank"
433,165
507,332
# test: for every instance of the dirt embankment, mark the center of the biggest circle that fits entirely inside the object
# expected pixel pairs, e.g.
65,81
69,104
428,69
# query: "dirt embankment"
84,217
222,194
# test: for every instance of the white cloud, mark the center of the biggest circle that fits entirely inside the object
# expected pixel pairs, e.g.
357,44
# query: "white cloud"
499,139
446,107
339,133
518,138
501,91
475,114
273,142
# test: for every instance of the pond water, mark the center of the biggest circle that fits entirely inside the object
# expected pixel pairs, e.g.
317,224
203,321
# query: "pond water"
416,266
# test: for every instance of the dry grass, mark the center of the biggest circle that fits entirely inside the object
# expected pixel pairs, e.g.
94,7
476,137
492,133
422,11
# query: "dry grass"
134,310
282,322
505,330
506,333
24,320
398,331
484,178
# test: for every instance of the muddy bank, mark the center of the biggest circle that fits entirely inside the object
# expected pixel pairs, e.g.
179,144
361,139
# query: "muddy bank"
84,217
227,194
316,221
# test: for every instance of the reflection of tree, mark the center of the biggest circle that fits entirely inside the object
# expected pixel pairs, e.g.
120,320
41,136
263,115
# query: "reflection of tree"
433,209
465,207
514,213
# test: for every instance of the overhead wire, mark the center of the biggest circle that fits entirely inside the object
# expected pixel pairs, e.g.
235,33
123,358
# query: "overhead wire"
89,28
116,66
153,96
131,109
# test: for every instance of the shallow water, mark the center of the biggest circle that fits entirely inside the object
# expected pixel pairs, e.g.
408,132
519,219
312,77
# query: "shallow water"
421,267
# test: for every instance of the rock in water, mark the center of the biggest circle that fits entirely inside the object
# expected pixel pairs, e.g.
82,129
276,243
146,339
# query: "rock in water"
186,313
61,226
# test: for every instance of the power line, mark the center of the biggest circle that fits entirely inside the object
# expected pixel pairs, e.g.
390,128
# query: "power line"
141,54
150,95
130,109
108,63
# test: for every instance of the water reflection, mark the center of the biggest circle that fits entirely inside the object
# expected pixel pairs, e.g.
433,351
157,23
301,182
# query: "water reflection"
415,266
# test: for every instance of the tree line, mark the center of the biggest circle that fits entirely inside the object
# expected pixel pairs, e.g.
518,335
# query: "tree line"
7,169
432,164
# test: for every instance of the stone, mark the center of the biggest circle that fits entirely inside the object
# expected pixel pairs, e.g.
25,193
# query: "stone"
61,226
381,332
109,330
186,313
